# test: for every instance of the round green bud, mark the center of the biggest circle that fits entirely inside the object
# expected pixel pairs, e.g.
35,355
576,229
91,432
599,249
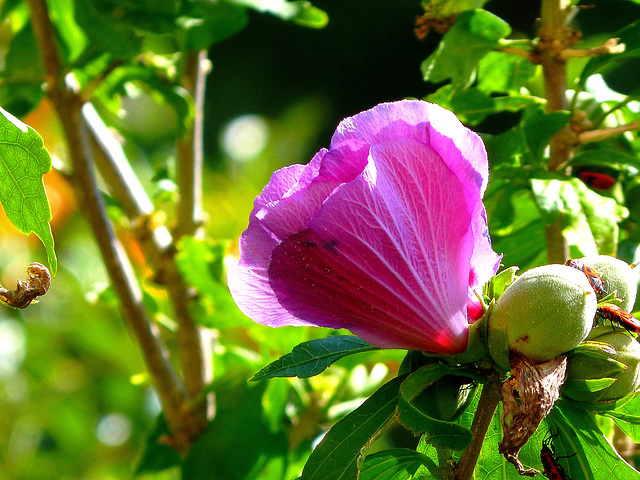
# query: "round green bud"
608,376
618,276
545,312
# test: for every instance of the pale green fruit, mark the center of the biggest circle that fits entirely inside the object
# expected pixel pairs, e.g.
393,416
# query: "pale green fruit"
545,312
617,276
623,367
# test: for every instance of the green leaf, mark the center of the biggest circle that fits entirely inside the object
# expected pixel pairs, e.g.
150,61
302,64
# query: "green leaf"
207,23
444,8
439,433
23,162
590,220
238,444
339,456
612,65
627,417
312,357
540,127
498,284
605,157
300,12
593,456
503,72
201,263
474,34
157,456
395,464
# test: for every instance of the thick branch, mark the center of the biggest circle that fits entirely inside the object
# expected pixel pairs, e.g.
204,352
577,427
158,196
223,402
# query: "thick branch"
556,36
68,106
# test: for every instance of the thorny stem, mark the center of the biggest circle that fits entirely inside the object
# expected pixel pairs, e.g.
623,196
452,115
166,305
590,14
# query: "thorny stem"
487,404
68,106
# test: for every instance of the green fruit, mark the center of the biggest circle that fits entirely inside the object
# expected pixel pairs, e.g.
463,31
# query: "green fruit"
605,377
545,312
617,276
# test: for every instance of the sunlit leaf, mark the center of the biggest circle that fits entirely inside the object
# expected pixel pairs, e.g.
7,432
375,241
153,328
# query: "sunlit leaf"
474,34
312,357
23,162
300,12
340,453
503,72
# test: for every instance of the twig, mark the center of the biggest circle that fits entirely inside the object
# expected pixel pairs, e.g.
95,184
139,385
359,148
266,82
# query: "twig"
190,155
68,106
610,46
604,133
195,356
487,404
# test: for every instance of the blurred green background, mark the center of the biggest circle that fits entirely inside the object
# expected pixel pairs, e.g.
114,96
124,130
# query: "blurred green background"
74,397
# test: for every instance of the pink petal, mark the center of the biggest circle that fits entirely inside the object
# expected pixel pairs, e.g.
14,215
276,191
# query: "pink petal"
387,256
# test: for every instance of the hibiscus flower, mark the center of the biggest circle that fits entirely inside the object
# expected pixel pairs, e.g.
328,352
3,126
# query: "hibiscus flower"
384,233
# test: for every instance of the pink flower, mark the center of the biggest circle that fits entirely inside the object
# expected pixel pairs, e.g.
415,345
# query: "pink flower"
384,233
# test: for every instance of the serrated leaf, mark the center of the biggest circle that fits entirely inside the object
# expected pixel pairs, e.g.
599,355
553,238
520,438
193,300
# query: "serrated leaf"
395,464
439,433
23,162
474,34
340,453
312,357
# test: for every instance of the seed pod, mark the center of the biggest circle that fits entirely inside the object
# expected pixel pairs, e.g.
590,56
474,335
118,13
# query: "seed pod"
618,276
546,312
611,375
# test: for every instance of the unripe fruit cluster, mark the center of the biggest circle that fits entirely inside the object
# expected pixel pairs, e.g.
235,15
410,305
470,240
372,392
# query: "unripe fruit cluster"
550,310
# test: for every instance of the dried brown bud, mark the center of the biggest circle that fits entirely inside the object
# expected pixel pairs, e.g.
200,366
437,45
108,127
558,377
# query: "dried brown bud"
37,284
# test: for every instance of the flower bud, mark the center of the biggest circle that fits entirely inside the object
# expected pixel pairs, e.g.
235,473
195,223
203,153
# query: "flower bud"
618,276
609,376
545,312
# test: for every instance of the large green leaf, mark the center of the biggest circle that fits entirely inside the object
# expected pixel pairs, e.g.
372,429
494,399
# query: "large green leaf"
238,444
340,454
590,220
592,455
23,162
474,34
312,357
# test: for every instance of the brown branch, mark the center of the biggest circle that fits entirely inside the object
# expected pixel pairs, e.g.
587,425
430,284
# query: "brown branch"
157,244
556,36
487,404
520,52
604,133
68,106
610,46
